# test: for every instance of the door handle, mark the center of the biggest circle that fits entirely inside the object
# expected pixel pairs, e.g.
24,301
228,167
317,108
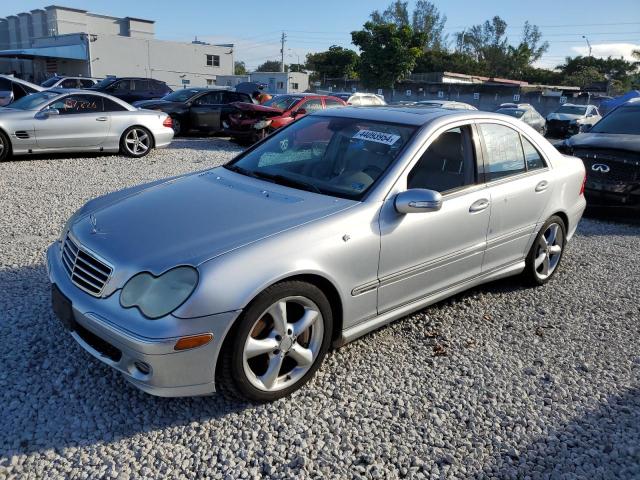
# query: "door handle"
101,119
479,205
542,186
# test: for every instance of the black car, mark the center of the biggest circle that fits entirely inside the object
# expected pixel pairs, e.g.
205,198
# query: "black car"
131,89
610,151
201,109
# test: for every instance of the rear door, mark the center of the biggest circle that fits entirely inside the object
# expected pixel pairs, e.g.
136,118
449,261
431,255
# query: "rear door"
205,111
517,177
80,122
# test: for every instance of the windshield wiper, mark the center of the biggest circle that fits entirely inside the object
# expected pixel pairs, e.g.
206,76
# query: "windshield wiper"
290,182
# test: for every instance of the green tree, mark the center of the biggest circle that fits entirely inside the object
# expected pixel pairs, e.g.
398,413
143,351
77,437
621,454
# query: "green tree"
269,66
240,68
425,18
337,62
619,72
388,53
584,77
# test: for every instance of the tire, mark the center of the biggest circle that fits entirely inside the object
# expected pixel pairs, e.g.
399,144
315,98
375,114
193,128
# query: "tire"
128,146
546,253
178,128
276,362
5,147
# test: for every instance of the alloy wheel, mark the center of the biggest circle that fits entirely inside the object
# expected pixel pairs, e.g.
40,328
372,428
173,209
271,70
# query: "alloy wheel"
283,343
137,141
549,251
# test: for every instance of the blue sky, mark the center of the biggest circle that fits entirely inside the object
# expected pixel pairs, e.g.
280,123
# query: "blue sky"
613,27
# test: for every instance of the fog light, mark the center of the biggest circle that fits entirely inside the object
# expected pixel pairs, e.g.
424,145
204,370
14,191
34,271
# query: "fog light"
193,341
144,368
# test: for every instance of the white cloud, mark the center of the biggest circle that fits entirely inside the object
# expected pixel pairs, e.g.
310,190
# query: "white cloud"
603,50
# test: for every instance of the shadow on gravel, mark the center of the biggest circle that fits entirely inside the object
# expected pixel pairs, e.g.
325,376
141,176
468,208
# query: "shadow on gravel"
602,443
54,395
203,143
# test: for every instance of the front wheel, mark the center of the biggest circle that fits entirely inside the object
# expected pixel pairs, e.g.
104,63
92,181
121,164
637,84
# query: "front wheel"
278,344
136,142
546,252
5,147
176,125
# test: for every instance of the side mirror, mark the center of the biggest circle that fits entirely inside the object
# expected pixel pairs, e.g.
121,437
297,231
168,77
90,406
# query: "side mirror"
42,114
300,111
418,200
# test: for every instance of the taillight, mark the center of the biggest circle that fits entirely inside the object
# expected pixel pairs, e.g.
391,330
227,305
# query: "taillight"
168,122
584,181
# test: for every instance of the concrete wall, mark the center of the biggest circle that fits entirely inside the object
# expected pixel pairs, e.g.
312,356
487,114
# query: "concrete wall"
168,61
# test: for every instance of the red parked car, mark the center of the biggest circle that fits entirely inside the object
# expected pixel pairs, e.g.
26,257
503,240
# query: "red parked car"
251,122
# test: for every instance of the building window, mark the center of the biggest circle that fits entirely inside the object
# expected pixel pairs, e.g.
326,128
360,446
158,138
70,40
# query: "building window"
280,85
294,86
213,60
210,81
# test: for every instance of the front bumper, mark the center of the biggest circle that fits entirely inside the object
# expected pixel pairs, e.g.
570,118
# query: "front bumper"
617,195
98,326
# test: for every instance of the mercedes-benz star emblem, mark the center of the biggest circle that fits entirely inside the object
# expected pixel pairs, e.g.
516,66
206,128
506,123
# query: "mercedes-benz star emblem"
600,167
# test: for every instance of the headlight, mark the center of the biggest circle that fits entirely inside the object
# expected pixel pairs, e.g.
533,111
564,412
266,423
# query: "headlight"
159,296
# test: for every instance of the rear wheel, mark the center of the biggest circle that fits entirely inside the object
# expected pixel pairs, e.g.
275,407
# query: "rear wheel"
136,142
546,252
278,344
5,147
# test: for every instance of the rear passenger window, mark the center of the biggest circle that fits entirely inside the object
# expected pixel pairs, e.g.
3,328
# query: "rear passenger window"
312,105
448,163
331,103
532,156
111,106
504,155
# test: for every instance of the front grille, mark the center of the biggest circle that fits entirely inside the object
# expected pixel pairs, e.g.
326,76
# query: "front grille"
623,166
558,124
101,346
84,269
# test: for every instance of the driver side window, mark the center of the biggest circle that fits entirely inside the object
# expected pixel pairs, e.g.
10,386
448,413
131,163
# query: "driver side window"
74,104
448,164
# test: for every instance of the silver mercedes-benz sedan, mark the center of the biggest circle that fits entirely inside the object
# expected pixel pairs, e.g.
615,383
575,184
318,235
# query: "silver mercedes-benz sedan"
242,276
60,120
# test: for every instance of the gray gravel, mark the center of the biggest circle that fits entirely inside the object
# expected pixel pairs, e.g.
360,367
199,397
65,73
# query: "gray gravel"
499,382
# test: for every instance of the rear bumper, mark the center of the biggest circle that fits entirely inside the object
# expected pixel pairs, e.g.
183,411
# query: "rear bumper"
575,215
95,325
163,137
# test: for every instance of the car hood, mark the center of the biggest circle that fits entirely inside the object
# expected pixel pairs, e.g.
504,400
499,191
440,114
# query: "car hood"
193,218
563,116
605,140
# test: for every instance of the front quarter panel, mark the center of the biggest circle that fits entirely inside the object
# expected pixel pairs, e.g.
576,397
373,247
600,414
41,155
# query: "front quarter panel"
343,248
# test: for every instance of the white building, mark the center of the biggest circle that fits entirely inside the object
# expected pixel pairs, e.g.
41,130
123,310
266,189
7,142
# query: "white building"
70,41
282,82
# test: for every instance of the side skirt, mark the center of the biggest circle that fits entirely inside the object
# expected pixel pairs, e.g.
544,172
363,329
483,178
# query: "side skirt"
374,323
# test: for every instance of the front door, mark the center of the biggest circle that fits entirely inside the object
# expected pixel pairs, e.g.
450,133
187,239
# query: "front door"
205,112
518,182
423,253
80,122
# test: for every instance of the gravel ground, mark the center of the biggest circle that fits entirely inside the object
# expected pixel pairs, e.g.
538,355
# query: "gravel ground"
499,382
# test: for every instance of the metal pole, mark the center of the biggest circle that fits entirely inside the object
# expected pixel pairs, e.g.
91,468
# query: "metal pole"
588,44
282,39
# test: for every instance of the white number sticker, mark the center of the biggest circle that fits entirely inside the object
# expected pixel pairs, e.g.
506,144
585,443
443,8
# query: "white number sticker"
378,137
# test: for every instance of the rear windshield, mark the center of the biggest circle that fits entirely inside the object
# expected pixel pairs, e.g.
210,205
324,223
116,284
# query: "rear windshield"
33,101
181,95
104,82
623,120
513,112
50,83
572,110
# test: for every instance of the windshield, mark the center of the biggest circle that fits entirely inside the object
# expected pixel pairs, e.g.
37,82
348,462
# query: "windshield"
572,110
342,157
623,120
430,104
181,95
104,82
283,102
33,101
513,112
51,82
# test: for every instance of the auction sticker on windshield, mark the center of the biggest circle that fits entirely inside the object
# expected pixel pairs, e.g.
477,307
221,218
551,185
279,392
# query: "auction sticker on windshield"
379,137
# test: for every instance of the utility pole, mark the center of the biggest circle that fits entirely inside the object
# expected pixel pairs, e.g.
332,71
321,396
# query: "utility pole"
282,39
588,44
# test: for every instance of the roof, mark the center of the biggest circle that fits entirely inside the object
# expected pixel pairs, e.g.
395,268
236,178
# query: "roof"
403,115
